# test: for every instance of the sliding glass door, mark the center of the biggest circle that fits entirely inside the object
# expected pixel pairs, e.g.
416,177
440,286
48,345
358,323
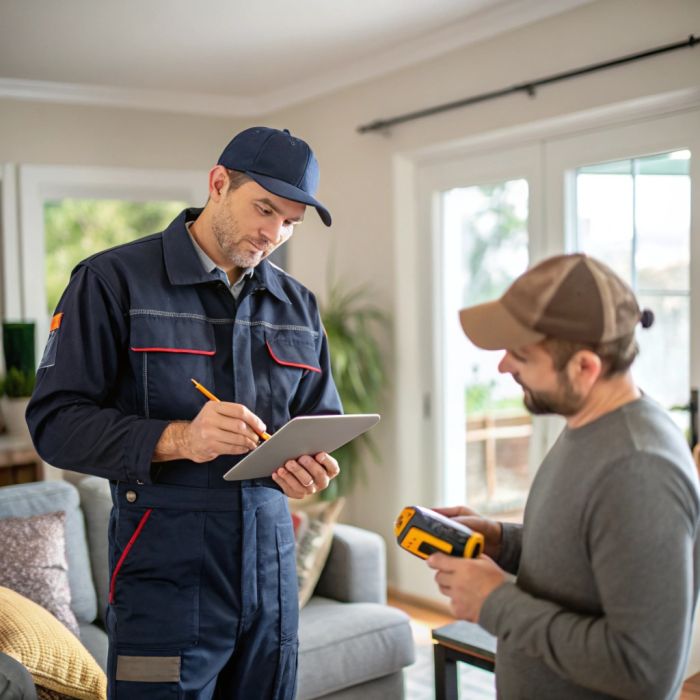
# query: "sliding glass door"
626,194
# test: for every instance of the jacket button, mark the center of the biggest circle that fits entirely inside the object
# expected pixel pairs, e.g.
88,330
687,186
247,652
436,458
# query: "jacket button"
131,496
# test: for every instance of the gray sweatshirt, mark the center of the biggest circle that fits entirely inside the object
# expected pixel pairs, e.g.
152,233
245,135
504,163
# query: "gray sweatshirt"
607,566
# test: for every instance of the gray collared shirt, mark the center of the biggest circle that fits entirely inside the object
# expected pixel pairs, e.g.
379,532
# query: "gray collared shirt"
211,267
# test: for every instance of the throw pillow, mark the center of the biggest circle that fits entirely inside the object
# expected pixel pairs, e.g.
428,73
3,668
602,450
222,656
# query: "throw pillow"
46,694
313,531
56,659
33,563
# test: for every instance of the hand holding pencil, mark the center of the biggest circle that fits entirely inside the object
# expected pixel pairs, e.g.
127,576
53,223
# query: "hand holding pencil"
297,477
220,428
262,434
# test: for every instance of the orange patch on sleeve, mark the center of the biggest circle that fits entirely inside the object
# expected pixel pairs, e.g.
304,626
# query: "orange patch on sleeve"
56,322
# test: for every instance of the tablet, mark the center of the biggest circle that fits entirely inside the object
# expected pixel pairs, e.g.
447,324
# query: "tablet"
304,435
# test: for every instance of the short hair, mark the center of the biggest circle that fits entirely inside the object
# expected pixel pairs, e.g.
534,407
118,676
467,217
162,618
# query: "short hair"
236,178
616,355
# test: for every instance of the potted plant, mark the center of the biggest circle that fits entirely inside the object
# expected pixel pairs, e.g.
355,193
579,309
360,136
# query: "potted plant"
17,387
351,322
18,383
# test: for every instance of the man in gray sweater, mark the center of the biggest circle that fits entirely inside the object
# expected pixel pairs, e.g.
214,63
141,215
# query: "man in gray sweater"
606,560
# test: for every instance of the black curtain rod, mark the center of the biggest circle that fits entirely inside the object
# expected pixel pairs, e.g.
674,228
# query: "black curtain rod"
528,87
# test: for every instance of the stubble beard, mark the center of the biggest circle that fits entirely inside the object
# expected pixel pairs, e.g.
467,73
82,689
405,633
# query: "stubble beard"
566,402
227,234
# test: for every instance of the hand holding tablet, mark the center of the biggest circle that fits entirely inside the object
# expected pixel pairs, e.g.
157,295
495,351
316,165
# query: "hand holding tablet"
304,435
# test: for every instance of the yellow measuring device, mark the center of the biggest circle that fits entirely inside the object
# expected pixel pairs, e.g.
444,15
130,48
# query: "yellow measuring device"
422,531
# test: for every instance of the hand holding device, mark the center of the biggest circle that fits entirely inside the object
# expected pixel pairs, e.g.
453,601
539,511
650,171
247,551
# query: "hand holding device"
422,532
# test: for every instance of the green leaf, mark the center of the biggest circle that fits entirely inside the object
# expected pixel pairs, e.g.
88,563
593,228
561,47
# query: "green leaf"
18,383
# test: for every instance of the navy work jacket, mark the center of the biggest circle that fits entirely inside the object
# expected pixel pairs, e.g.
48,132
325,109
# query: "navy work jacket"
136,323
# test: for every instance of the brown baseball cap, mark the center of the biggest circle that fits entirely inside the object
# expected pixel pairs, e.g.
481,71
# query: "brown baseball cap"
571,297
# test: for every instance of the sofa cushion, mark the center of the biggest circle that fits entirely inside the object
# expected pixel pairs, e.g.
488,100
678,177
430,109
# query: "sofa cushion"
96,502
313,529
41,497
33,563
94,639
55,658
342,644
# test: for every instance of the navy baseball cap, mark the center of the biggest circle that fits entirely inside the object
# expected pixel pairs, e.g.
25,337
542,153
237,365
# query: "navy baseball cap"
279,162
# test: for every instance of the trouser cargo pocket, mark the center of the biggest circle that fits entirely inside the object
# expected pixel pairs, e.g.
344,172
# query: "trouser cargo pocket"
156,568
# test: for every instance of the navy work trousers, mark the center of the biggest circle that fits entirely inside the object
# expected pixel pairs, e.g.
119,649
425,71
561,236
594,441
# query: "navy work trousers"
203,594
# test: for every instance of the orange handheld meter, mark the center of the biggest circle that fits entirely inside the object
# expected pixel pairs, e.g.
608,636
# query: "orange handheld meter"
422,531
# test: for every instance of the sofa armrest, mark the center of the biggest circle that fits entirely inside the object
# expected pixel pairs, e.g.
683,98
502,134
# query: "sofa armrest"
96,502
356,568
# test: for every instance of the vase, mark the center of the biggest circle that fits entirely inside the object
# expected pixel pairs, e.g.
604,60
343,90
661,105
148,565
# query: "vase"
13,410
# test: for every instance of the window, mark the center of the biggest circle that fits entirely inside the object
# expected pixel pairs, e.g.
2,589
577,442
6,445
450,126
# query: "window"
77,228
635,215
485,227
29,205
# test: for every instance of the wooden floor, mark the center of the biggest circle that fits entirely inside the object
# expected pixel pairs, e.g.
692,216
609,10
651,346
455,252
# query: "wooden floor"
437,617
691,688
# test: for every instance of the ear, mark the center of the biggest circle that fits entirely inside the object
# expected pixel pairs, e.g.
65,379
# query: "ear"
583,369
218,182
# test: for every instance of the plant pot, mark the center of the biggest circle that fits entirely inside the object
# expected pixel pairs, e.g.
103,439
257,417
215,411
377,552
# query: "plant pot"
13,410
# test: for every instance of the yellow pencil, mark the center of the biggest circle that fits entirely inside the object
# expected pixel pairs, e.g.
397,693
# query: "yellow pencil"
211,397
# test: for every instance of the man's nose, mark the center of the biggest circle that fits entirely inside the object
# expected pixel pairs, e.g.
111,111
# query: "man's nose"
273,230
505,366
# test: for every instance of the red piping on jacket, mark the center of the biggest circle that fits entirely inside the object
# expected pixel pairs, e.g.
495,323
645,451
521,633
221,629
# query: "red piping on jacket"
184,350
128,547
290,364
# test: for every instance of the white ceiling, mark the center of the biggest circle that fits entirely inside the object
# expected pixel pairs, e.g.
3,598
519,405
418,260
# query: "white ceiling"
235,57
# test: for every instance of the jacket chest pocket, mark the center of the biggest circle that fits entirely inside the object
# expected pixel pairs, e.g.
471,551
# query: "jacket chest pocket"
167,352
291,359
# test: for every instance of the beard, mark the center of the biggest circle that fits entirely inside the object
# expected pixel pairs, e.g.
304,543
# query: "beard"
226,231
566,401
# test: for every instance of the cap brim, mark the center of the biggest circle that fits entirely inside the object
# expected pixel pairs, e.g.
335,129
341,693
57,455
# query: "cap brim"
284,189
491,326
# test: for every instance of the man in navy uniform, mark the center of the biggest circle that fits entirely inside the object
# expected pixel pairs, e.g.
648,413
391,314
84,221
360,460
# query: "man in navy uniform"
203,591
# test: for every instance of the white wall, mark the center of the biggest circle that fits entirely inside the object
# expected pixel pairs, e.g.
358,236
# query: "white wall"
48,134
358,178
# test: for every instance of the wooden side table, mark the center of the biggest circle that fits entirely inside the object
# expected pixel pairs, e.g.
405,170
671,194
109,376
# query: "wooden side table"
19,462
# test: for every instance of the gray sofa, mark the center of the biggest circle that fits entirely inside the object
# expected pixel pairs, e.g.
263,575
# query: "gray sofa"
351,645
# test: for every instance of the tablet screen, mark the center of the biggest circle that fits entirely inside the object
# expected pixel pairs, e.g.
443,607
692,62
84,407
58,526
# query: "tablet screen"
304,435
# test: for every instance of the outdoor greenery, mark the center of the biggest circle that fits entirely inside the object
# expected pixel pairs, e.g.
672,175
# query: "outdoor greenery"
77,228
490,232
478,399
493,231
351,322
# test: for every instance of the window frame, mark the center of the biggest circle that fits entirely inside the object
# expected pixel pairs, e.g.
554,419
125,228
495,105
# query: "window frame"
25,190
